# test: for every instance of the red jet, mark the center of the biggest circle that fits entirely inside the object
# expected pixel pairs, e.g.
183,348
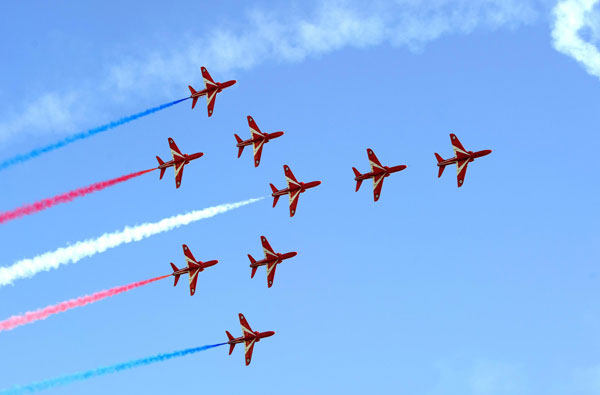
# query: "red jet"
272,259
210,91
462,158
179,160
294,189
257,141
248,338
377,173
193,268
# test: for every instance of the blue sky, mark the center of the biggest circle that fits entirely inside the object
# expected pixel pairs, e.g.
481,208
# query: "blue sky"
486,289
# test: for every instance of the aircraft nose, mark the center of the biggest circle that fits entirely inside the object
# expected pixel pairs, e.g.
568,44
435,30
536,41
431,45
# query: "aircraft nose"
269,334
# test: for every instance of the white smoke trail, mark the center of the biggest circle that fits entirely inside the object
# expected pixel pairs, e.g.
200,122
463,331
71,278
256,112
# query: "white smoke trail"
52,260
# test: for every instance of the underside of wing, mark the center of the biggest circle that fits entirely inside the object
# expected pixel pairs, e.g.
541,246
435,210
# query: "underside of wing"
178,173
459,150
177,155
271,273
267,249
209,83
294,196
254,130
211,96
246,330
461,171
291,180
377,185
258,147
248,351
193,279
373,161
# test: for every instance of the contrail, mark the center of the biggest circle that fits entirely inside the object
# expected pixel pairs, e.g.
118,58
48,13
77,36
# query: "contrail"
42,314
52,260
83,135
81,376
65,197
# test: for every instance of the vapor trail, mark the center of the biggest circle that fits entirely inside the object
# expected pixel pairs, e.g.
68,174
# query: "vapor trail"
81,376
42,314
83,135
65,197
52,260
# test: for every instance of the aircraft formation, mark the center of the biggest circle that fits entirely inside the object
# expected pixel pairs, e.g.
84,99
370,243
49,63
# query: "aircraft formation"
258,139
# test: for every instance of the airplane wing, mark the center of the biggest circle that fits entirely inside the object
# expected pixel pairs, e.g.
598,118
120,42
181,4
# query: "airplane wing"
291,180
254,130
258,146
461,170
210,101
271,273
459,150
294,201
248,351
177,155
268,250
377,185
193,278
246,330
209,83
374,162
189,257
178,173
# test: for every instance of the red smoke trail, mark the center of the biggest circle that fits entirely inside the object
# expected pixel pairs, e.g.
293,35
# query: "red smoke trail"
65,197
42,314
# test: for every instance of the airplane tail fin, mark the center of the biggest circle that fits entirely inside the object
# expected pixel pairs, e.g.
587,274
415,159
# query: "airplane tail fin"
160,163
240,149
232,345
194,99
358,182
177,276
252,260
275,198
440,159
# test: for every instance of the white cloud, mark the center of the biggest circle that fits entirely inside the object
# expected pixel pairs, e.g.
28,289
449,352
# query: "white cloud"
573,18
272,36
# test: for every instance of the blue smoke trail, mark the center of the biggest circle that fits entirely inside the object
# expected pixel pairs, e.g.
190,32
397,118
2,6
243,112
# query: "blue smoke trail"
83,135
64,380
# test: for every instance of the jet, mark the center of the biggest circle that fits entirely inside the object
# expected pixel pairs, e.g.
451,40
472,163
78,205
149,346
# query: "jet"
272,259
193,268
294,189
462,157
211,88
179,160
378,173
257,141
249,338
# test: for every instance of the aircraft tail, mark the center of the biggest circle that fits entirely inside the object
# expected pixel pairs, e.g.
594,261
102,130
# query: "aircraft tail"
439,159
232,345
160,163
252,261
176,276
194,99
240,149
358,182
275,198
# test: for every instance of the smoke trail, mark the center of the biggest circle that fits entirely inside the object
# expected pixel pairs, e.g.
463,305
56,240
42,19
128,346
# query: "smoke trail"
52,260
42,314
83,135
81,376
65,197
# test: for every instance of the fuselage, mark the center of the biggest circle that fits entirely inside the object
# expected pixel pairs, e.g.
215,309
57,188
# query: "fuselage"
302,187
186,158
278,259
386,172
266,138
471,157
201,267
220,86
256,337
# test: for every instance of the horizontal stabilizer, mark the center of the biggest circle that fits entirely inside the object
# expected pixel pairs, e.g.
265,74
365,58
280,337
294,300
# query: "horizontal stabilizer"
275,198
192,90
